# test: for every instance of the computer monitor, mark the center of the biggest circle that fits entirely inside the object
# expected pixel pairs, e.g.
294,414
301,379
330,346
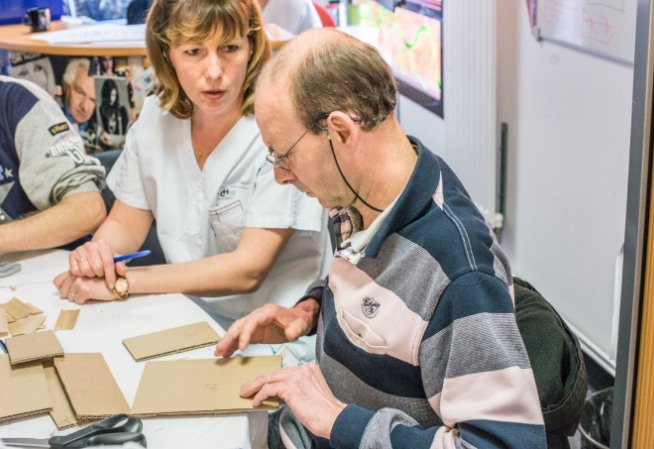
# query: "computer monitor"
410,40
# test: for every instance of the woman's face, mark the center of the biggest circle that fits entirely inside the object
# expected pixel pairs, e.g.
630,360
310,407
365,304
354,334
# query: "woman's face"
113,96
212,73
36,73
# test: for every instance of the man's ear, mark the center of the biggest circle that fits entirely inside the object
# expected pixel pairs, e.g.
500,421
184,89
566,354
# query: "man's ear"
344,127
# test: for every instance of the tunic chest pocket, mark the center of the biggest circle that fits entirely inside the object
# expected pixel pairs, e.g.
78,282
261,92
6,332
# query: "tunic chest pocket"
361,334
227,222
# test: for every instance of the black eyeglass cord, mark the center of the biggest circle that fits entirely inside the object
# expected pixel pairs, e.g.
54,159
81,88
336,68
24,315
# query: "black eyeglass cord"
331,145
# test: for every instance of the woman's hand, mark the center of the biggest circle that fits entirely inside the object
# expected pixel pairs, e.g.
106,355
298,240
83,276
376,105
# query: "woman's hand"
95,259
81,289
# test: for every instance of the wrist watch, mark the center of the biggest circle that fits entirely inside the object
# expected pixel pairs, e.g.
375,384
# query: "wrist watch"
121,289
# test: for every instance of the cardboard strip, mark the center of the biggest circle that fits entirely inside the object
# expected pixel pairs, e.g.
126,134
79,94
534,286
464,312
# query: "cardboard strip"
27,325
23,390
62,412
4,326
67,319
182,387
26,348
171,341
17,308
90,386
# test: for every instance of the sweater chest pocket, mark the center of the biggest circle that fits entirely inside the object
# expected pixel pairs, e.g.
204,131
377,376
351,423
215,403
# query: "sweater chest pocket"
361,334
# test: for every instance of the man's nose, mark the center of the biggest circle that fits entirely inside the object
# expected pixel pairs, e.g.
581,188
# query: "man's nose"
284,176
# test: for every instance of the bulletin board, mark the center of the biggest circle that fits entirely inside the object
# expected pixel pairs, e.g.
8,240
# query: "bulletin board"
604,27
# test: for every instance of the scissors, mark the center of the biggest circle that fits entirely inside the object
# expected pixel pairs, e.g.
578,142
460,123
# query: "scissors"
117,429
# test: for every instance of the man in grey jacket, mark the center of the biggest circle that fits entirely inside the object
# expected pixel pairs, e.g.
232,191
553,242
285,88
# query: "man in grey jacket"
49,187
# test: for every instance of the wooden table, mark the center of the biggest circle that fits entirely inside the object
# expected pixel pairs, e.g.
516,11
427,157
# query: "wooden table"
17,38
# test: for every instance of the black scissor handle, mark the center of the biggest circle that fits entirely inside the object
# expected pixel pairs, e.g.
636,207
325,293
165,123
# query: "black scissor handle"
107,439
113,424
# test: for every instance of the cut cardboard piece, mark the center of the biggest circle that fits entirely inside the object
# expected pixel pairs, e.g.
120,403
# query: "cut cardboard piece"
26,325
17,308
67,319
4,324
35,310
202,386
37,346
90,386
23,390
171,341
62,412
10,318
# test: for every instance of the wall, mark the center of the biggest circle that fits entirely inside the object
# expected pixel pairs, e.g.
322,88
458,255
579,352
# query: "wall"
569,116
569,124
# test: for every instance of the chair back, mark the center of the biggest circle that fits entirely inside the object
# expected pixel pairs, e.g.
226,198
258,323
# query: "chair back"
556,361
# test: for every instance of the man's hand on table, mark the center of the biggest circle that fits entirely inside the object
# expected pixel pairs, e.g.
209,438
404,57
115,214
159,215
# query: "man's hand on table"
81,289
269,324
304,390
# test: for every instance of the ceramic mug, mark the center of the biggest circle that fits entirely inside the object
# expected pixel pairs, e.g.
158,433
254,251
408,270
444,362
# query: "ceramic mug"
38,19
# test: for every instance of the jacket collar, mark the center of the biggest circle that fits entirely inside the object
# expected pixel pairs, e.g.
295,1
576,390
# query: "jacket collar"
413,200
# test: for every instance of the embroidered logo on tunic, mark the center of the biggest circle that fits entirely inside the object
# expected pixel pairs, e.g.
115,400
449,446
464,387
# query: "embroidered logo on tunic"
370,307
225,193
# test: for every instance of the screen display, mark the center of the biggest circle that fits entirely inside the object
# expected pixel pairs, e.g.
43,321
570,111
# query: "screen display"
410,40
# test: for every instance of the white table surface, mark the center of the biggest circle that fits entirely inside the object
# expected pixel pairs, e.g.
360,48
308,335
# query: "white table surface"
101,327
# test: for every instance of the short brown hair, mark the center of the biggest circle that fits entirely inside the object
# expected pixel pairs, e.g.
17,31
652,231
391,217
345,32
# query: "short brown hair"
340,74
170,21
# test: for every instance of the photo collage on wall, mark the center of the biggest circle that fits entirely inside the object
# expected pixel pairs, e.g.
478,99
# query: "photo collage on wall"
100,96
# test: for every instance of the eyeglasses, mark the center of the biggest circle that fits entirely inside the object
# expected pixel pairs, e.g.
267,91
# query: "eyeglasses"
278,161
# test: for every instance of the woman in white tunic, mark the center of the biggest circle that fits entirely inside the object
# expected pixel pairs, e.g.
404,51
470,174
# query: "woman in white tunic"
195,162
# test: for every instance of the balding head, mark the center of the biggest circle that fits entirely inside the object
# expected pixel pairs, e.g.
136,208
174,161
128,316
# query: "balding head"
325,70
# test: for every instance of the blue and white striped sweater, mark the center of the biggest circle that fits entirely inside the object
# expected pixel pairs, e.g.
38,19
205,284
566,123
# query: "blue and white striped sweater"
419,336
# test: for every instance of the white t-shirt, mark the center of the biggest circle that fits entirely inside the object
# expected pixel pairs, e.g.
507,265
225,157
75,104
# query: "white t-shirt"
292,15
201,213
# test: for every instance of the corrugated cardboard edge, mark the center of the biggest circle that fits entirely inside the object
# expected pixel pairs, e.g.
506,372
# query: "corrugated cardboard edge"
67,319
44,358
212,412
190,348
22,415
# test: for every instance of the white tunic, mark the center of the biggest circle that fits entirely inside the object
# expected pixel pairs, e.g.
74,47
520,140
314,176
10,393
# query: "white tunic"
292,15
201,213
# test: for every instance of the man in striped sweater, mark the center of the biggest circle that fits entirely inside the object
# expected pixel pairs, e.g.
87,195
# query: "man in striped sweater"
417,339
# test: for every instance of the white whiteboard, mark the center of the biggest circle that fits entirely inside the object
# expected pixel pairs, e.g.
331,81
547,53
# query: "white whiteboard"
606,27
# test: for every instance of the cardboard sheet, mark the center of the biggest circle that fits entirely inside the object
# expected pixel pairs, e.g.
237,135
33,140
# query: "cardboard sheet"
67,319
171,341
17,308
182,387
4,325
62,412
37,346
23,390
90,386
26,325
